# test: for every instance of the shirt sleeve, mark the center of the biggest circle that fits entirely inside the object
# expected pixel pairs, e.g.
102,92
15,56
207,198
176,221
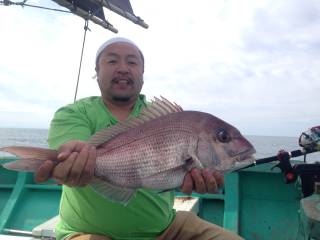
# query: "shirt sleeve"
69,123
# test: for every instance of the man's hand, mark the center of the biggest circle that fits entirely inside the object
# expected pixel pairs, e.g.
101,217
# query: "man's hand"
202,181
76,168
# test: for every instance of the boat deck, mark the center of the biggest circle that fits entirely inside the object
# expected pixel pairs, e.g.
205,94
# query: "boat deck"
255,203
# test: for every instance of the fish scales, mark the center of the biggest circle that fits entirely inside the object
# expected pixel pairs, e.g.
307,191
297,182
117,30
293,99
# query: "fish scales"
146,150
142,162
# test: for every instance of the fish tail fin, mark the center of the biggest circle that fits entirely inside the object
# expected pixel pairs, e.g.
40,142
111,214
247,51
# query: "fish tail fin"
31,157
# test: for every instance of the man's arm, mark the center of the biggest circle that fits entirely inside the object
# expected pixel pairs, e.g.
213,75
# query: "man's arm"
68,131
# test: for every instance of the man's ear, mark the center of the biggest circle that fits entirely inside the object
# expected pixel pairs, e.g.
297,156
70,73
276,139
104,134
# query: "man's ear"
97,70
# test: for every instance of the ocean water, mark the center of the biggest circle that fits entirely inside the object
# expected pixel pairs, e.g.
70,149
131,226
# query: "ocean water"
266,146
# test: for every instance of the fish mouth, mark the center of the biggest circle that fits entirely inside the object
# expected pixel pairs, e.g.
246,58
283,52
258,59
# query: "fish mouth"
244,155
244,159
244,163
238,161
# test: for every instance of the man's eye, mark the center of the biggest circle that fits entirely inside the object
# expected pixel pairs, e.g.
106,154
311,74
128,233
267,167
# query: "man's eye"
112,61
132,63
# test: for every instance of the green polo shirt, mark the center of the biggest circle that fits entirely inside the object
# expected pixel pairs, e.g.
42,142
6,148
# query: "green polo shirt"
84,211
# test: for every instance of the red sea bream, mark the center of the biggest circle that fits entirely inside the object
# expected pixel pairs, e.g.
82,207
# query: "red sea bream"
153,151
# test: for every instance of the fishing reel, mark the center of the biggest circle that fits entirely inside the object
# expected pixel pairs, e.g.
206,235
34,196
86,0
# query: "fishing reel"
310,139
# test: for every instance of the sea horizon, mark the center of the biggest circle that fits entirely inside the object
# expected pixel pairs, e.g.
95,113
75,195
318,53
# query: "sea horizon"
265,145
244,134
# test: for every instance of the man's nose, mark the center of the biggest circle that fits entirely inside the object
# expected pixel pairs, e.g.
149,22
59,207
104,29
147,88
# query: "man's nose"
122,67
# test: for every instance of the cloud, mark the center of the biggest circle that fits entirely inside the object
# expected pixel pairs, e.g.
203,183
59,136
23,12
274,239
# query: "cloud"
252,63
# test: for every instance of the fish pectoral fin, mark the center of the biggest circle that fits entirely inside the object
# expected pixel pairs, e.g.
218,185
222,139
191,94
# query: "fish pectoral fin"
112,192
193,162
189,164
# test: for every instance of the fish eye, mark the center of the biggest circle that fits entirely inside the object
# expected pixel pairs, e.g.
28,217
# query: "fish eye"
224,136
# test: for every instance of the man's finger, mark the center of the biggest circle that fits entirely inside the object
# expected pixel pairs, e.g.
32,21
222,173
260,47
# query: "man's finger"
78,166
62,170
210,181
44,172
187,185
199,182
66,149
219,178
63,155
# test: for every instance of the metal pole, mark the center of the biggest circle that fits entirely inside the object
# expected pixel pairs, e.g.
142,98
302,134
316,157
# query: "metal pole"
129,16
86,15
16,231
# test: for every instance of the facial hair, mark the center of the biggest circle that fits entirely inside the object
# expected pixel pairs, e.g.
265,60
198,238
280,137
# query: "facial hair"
121,98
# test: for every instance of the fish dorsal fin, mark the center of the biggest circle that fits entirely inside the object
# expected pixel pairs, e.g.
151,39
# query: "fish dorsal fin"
157,108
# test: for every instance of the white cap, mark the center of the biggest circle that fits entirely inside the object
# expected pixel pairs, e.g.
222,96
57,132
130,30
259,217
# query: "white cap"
114,40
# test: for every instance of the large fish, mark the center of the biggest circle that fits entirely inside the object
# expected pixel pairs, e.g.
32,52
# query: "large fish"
153,151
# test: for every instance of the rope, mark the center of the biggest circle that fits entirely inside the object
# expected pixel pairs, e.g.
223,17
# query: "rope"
82,50
86,28
23,4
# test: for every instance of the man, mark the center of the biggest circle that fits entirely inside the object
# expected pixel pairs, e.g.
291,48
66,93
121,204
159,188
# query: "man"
85,214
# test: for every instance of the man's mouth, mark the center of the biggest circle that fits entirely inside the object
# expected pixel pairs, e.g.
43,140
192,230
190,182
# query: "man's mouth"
122,81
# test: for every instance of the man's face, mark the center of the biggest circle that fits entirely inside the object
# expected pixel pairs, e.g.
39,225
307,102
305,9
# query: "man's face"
120,72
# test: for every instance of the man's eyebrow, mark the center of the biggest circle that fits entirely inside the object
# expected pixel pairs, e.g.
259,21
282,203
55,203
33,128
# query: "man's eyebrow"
117,55
132,56
112,54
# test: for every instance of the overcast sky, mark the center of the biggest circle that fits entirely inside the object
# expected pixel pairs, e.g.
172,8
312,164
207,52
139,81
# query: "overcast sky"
255,64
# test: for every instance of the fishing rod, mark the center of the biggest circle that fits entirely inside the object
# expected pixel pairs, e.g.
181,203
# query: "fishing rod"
280,155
